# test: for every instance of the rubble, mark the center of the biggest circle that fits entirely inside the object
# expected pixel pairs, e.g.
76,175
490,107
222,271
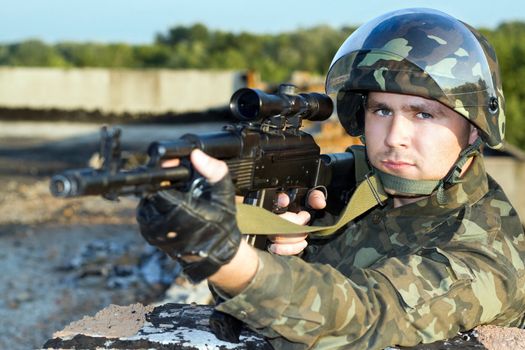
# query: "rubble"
112,322
186,326
169,326
120,265
501,338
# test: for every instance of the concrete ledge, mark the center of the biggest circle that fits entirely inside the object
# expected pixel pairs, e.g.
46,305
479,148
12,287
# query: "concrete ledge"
170,326
183,326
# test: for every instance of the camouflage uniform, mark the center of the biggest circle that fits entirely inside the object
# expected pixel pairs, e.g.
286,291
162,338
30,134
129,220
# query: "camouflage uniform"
397,276
423,271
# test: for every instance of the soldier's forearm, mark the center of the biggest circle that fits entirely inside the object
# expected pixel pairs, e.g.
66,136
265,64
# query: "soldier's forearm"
233,277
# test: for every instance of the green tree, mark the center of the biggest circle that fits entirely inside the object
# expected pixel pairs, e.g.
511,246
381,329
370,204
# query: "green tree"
34,53
509,41
152,56
181,34
98,55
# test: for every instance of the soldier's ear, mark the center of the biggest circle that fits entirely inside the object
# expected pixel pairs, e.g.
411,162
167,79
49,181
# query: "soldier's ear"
473,134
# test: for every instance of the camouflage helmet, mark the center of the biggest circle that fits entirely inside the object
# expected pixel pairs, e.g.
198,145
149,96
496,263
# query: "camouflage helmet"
420,52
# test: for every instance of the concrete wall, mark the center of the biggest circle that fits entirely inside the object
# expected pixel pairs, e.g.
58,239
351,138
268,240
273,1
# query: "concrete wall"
510,174
117,90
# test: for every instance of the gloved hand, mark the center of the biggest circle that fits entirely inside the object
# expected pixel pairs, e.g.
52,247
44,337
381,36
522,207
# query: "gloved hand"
201,232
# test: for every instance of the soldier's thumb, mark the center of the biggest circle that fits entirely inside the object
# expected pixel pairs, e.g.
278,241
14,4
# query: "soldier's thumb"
211,168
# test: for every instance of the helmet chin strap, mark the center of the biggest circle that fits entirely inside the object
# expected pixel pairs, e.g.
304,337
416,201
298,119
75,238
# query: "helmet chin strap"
400,186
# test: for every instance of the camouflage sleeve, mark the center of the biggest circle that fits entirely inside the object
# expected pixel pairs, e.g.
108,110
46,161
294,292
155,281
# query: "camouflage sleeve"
405,300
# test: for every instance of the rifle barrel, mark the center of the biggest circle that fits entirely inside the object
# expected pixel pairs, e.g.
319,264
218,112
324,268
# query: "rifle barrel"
90,181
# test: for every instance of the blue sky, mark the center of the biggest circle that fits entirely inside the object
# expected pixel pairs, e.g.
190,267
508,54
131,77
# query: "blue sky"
137,21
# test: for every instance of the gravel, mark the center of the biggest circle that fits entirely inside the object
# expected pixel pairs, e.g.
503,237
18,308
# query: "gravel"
63,259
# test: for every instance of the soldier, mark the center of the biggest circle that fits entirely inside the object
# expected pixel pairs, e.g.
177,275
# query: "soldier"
444,253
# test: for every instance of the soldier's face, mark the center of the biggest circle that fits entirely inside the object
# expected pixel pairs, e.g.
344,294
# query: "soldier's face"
414,137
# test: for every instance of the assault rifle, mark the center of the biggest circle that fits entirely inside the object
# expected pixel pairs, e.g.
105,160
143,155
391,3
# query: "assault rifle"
266,153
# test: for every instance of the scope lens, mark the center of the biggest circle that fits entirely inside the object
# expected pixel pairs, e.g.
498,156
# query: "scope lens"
247,103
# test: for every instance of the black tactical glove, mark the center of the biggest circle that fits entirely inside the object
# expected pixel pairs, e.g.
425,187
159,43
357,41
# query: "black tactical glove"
198,230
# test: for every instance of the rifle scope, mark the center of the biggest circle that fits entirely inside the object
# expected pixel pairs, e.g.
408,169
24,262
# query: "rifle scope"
255,105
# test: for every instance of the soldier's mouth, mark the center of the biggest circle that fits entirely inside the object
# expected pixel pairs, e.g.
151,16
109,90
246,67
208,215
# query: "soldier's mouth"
394,165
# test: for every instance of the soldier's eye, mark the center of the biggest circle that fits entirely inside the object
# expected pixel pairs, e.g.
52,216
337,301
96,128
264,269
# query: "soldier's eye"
383,112
423,115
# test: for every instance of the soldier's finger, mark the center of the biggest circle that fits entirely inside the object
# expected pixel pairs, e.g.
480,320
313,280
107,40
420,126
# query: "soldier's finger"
211,168
288,239
283,200
317,199
300,218
288,249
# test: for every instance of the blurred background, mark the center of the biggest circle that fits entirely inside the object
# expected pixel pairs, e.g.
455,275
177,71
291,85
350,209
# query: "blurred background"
158,69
